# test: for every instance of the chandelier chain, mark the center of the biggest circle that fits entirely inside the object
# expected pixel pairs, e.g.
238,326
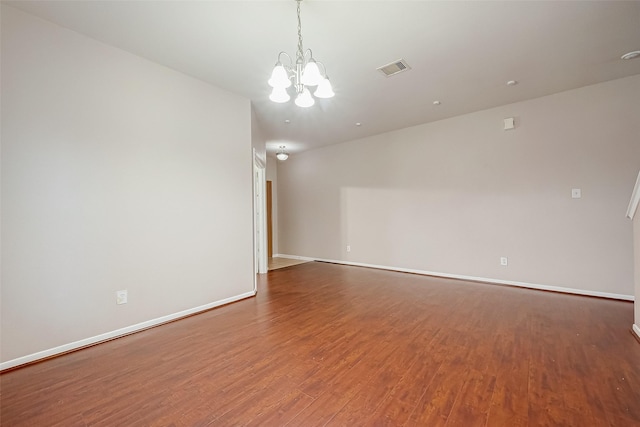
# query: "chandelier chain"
300,51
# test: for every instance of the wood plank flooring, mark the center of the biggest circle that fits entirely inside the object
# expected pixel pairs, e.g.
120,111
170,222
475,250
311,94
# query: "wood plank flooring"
331,345
281,262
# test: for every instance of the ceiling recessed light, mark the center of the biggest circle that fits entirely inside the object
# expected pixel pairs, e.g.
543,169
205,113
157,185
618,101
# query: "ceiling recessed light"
512,82
631,55
358,124
287,121
437,102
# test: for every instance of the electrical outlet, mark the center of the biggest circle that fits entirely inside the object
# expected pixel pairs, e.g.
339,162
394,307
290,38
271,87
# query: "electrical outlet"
504,261
121,297
348,248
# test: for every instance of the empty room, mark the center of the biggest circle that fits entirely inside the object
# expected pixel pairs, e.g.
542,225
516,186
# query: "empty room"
320,213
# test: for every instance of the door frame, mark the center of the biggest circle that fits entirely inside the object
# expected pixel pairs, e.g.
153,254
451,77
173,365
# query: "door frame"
259,215
269,215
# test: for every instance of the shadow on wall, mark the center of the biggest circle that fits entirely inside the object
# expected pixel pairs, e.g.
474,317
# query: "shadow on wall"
467,234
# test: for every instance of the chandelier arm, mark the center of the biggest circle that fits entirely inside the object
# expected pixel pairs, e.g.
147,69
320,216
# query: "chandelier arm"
305,55
323,68
288,56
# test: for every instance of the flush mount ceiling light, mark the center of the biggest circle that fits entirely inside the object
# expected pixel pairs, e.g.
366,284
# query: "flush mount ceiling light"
282,155
631,55
305,73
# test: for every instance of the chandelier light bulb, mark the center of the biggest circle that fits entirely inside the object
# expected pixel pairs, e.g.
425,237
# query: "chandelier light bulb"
304,99
279,95
279,77
311,75
324,89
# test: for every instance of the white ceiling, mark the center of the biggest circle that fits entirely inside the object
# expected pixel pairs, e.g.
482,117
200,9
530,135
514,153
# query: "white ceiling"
461,53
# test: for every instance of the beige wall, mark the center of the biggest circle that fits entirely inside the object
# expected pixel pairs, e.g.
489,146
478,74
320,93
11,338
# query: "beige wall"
454,196
257,138
117,173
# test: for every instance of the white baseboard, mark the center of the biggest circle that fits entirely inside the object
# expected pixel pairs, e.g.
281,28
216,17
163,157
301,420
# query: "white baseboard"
118,332
302,258
636,329
476,279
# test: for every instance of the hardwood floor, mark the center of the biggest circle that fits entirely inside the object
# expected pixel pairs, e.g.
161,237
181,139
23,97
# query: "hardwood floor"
280,262
334,345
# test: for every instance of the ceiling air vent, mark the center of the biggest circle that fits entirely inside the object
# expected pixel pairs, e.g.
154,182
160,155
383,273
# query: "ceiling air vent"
394,68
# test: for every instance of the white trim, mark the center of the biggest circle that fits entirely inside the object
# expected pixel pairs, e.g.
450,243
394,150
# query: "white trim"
475,279
259,217
258,161
119,332
635,199
302,258
636,329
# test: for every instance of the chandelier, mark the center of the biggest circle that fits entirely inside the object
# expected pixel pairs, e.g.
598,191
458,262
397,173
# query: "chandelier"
282,155
305,73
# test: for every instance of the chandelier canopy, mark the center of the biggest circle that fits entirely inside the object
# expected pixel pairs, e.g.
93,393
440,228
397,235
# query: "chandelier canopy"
305,73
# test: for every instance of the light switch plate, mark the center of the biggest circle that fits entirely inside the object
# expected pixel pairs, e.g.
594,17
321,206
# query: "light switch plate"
509,123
